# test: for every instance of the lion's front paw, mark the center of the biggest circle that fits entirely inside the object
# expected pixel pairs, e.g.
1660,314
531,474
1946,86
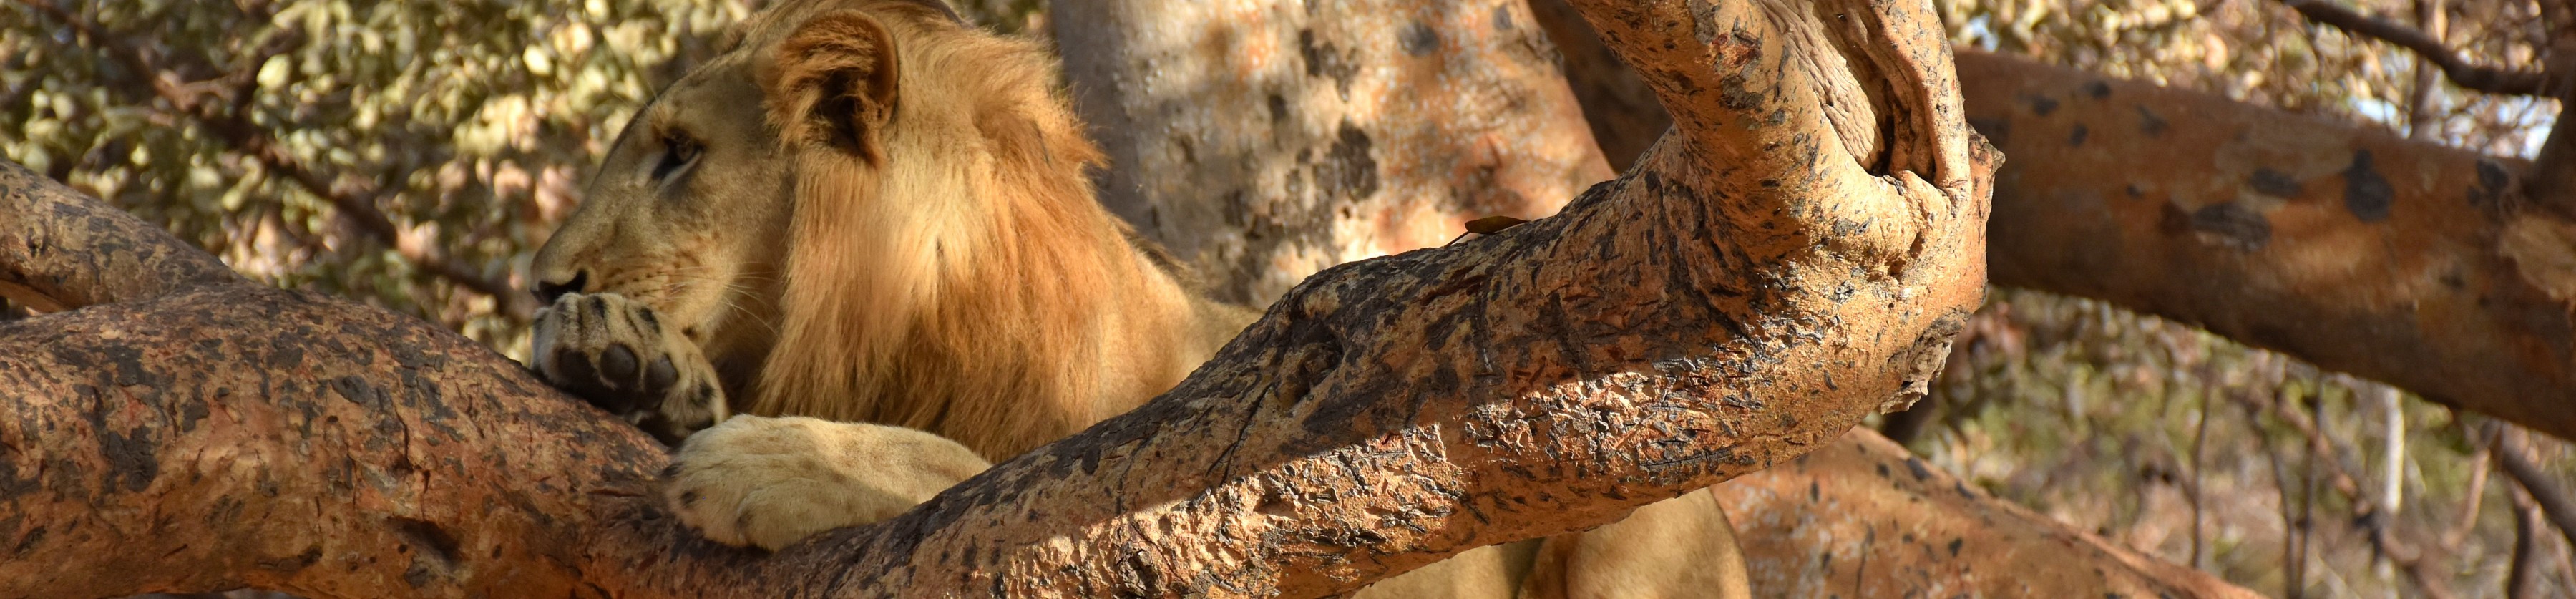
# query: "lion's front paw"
613,352
773,481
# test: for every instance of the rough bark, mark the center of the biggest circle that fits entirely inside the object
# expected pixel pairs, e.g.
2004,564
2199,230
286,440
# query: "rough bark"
66,252
2406,262
1749,291
1267,140
2400,261
1862,518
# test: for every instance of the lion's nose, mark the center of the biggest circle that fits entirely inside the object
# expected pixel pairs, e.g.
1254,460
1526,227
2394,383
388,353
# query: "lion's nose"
547,291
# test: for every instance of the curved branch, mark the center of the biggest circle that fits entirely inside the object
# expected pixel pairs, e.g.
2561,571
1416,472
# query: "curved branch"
60,250
2489,79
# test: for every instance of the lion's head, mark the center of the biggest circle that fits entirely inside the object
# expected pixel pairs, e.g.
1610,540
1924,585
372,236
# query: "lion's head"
869,210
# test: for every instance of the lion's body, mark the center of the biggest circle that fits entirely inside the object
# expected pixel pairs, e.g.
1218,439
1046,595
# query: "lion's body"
867,212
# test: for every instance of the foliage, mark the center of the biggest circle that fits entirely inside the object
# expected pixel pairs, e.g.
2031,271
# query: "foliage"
268,132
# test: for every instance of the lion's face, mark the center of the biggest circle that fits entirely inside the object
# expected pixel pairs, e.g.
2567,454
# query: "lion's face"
693,214
888,197
688,213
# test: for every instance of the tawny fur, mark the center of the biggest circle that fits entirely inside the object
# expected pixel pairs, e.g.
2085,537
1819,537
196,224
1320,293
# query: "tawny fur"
998,261
948,227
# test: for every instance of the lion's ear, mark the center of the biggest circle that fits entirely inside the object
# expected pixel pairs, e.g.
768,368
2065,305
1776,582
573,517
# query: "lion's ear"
833,83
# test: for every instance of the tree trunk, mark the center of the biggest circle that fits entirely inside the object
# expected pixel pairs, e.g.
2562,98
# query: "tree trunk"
1749,291
1267,140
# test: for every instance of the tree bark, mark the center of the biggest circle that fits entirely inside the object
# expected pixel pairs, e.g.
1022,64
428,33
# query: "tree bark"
2410,263
1264,141
67,253
1750,290
2400,261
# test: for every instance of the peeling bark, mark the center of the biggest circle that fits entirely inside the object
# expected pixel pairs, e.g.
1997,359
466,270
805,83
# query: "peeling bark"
2396,260
1749,291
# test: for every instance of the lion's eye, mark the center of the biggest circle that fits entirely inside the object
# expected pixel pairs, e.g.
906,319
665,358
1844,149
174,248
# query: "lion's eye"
679,150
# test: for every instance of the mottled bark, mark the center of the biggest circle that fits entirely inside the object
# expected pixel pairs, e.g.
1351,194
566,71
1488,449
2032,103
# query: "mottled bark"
235,435
1862,518
2405,262
2396,260
1748,292
1266,140
66,251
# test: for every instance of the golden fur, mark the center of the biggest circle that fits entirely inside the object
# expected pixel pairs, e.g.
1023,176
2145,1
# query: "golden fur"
903,232
932,221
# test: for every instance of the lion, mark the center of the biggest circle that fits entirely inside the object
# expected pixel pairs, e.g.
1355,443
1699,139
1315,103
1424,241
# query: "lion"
856,257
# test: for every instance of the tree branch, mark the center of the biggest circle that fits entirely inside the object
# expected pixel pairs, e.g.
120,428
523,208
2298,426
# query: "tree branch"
1697,319
2416,559
2409,263
2114,197
2489,79
217,104
64,251
2512,455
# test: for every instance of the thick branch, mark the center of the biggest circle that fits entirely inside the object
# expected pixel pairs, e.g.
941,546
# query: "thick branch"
2399,261
2409,263
1670,329
60,250
2489,79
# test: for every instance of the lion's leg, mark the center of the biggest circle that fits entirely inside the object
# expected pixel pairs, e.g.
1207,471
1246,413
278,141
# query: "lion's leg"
774,481
1679,547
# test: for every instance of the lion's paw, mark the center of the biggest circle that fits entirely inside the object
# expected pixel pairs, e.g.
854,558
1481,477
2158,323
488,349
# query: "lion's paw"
773,481
611,351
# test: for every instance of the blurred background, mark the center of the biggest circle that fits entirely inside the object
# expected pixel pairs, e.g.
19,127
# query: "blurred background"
413,155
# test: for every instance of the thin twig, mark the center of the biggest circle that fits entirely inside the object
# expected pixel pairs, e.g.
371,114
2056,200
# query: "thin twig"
2512,455
2482,443
2415,561
2490,79
2199,468
2523,579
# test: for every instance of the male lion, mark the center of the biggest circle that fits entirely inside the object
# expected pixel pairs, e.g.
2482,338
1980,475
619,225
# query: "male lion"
868,227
